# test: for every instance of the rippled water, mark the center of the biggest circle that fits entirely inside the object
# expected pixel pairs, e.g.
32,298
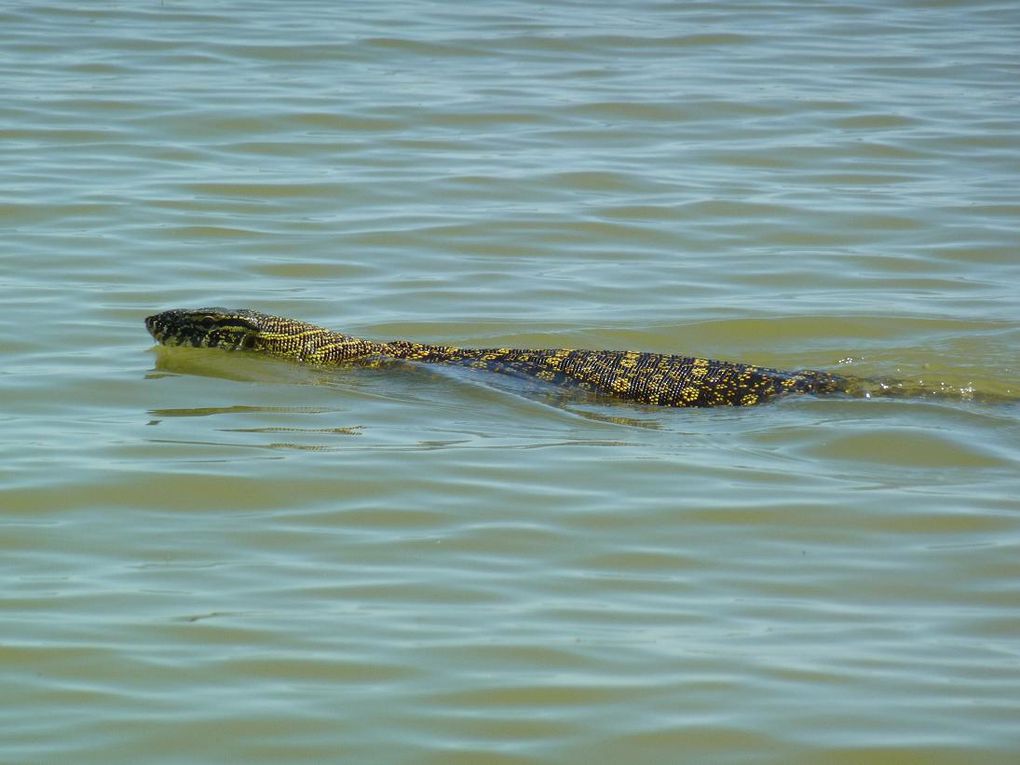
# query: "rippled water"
215,557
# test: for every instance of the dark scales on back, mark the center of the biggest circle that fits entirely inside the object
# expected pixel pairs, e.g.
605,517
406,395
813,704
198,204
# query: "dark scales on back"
648,378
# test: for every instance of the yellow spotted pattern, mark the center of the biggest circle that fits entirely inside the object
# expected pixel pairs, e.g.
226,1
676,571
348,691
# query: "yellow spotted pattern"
649,378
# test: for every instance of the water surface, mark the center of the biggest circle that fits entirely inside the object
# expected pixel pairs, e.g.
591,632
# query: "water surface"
213,557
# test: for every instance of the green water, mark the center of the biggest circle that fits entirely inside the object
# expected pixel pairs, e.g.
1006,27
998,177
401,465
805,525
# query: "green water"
218,558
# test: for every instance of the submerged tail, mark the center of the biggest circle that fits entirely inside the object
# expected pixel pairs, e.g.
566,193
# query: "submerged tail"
935,390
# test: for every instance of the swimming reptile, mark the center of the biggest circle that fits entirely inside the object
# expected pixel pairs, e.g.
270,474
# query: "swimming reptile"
648,378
